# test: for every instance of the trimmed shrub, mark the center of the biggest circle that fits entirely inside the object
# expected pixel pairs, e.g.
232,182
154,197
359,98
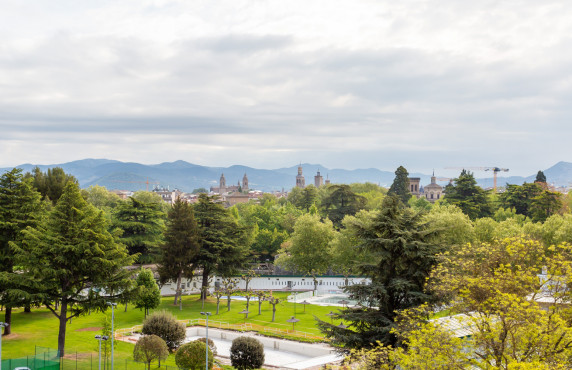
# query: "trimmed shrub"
211,344
191,356
150,348
164,325
246,353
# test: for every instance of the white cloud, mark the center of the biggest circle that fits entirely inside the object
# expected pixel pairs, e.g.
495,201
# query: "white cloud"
344,83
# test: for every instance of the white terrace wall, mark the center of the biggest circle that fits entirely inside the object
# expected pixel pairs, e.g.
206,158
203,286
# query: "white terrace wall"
326,284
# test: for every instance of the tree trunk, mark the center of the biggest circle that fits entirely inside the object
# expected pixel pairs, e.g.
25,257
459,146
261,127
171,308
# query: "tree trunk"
125,307
8,320
178,291
273,312
228,302
217,305
247,304
205,283
259,306
62,330
27,308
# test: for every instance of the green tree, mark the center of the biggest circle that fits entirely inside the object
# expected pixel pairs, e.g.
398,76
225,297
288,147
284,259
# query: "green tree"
51,184
340,202
520,197
308,252
545,205
142,225
509,294
102,198
469,197
149,294
150,348
68,252
221,247
165,325
246,353
181,245
20,207
455,226
540,177
192,356
400,185
402,259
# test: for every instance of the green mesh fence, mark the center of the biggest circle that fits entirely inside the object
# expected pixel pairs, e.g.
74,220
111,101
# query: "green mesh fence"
48,359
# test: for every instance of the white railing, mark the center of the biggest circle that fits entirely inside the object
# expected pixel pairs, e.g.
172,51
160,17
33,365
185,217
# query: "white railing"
300,296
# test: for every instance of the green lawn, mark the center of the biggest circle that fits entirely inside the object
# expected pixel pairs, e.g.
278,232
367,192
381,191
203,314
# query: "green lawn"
40,328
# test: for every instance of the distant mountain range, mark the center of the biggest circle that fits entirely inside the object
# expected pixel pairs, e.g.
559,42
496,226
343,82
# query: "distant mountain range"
187,176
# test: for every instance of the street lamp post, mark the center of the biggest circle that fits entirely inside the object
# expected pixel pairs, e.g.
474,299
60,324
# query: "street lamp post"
2,326
207,314
113,305
100,338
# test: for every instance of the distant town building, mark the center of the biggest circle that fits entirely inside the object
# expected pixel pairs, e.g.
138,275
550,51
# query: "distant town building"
414,185
224,189
318,180
168,195
431,192
300,181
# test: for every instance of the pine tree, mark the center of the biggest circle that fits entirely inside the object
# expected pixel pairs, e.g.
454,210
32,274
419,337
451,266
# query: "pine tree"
20,207
400,185
468,196
400,262
142,225
221,240
540,177
181,245
69,252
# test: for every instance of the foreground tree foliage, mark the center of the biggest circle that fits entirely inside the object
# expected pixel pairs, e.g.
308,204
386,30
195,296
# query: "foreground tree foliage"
181,245
68,253
513,295
165,325
20,207
150,348
192,356
401,260
246,353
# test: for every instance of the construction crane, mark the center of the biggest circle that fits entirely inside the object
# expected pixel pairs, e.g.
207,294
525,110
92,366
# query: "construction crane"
495,170
445,179
139,182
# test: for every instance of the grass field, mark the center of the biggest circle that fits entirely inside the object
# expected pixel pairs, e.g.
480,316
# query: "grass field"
40,328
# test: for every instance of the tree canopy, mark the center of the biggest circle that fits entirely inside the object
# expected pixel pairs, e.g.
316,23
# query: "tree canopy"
67,253
400,185
468,196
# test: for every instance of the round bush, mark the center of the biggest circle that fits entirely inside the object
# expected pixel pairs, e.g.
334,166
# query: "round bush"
211,344
191,356
164,325
246,353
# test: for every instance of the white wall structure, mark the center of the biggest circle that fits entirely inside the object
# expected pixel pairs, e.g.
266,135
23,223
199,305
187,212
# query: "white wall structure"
326,284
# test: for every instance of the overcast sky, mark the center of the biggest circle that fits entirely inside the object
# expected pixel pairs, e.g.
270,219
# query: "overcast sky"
269,84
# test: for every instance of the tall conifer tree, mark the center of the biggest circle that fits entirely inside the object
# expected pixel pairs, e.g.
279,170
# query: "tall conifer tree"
20,207
400,185
400,261
181,245
68,254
